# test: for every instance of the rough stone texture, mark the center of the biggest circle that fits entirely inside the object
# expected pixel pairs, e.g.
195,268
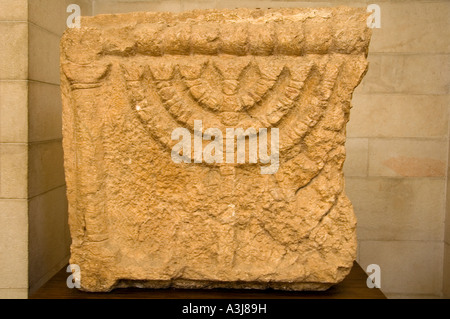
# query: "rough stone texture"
139,219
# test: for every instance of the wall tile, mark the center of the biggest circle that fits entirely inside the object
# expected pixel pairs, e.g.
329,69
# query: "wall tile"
44,112
414,74
446,281
13,244
13,111
398,115
14,56
447,217
114,6
402,27
198,4
12,293
13,170
85,6
52,14
232,4
13,10
48,14
356,159
407,267
44,55
48,227
398,209
407,157
46,169
447,210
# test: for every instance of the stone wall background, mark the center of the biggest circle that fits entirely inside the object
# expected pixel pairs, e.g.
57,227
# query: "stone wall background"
397,147
34,236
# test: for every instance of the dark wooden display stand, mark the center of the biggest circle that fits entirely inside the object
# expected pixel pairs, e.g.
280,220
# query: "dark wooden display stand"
352,287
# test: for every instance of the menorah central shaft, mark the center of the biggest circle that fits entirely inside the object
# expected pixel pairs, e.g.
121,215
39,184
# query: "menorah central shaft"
205,148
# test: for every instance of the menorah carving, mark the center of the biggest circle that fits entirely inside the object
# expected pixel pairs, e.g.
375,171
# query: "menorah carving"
137,218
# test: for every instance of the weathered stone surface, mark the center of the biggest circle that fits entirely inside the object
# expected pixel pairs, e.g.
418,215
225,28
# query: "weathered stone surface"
137,218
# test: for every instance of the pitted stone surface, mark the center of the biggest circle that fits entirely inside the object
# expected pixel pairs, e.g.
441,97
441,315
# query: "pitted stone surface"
139,219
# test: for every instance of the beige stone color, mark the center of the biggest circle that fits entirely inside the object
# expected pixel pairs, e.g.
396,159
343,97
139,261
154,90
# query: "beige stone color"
139,219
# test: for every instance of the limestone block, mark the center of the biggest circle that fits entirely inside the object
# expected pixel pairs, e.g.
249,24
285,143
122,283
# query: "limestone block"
160,195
